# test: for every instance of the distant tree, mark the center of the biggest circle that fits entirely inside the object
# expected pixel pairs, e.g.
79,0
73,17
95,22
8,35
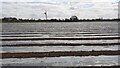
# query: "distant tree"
10,19
74,18
67,20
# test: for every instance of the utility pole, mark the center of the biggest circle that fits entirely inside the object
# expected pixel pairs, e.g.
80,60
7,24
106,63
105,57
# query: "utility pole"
45,14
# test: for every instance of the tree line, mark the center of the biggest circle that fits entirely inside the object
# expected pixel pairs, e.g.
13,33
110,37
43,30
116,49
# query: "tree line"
11,19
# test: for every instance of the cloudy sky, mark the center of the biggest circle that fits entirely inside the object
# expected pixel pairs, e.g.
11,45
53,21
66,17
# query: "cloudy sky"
83,9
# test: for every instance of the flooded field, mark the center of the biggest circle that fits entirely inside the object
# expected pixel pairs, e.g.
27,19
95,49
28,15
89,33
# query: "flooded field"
62,37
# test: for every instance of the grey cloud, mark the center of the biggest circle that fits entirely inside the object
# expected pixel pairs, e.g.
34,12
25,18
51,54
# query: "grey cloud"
60,9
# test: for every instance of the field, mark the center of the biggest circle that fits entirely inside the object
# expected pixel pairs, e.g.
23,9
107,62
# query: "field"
60,44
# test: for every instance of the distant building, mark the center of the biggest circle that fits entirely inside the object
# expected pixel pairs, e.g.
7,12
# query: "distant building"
73,18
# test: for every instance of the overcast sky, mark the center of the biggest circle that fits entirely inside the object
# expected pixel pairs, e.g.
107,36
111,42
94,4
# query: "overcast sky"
60,8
